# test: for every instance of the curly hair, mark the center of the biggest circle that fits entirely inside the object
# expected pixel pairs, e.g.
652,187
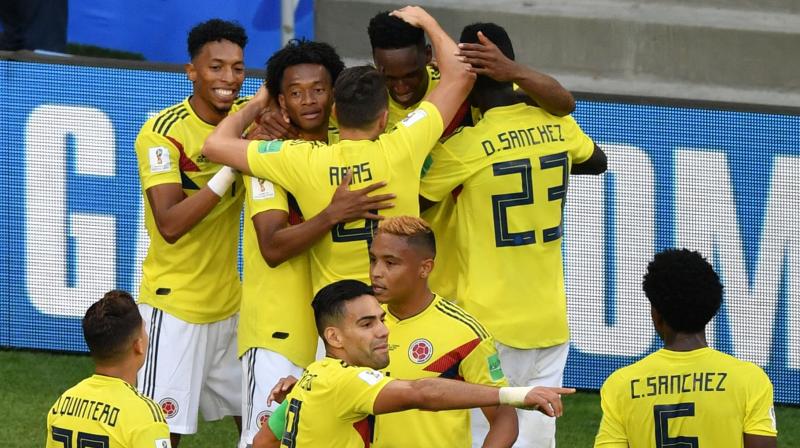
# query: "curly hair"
498,35
110,324
301,52
415,230
212,31
389,32
683,287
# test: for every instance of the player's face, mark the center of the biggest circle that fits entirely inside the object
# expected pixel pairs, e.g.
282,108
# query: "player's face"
405,72
363,334
395,268
143,343
217,73
307,95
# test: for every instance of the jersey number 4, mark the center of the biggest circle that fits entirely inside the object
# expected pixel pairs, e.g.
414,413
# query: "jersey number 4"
662,413
84,440
339,234
502,202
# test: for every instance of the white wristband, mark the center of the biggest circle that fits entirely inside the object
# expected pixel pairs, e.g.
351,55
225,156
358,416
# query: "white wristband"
221,181
514,396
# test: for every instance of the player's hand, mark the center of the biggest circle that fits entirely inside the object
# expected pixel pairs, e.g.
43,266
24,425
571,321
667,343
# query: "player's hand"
349,205
485,58
413,15
281,390
261,97
547,400
273,124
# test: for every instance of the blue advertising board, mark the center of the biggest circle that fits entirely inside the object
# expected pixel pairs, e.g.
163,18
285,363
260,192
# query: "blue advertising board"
722,182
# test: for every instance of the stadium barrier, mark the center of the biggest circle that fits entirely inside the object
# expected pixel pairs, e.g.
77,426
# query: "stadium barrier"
719,178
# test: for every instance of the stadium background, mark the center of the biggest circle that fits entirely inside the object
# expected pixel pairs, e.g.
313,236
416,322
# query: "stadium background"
720,177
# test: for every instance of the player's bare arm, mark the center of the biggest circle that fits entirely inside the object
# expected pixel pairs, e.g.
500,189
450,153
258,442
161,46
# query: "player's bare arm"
754,441
175,213
503,426
225,144
439,394
456,79
485,58
597,163
279,241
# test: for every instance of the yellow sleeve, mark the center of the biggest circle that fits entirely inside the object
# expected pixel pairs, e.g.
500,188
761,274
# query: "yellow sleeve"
760,417
416,134
446,172
583,147
482,365
611,433
158,160
358,390
263,195
277,160
154,434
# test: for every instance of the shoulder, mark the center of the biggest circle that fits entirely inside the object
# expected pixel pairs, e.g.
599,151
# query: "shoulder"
143,406
166,120
453,318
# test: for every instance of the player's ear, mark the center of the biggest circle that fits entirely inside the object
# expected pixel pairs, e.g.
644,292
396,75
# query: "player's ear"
333,112
383,119
333,337
428,54
426,267
191,73
282,100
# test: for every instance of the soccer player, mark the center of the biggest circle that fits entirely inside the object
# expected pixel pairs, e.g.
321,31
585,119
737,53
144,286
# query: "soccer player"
311,171
190,290
334,402
686,394
430,337
276,335
106,409
400,53
514,166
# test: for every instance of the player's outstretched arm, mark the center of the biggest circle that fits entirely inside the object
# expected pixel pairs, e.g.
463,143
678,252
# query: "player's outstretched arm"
439,394
754,441
279,242
597,163
456,79
485,58
225,145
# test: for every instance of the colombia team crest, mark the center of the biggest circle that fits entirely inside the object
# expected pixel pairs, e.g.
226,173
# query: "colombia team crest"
420,351
262,418
169,407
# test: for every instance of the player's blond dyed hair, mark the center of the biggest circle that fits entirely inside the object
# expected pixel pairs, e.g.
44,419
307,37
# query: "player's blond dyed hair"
416,231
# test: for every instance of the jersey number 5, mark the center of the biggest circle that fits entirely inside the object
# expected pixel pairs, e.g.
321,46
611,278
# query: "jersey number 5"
501,202
662,413
84,440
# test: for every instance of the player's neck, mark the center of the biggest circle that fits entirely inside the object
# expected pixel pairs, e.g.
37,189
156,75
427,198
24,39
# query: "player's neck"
495,98
685,342
122,371
358,134
205,111
413,305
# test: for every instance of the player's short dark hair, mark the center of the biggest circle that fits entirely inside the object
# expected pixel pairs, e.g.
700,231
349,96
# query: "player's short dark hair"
416,232
683,287
389,32
498,35
329,302
212,31
110,325
360,96
301,52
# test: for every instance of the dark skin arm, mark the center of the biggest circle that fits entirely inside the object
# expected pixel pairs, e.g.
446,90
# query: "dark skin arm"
265,439
278,241
487,59
753,441
176,213
596,164
503,426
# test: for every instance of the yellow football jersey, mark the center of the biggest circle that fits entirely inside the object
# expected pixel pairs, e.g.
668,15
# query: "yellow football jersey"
196,278
697,398
441,341
276,311
332,405
398,112
106,412
312,171
514,168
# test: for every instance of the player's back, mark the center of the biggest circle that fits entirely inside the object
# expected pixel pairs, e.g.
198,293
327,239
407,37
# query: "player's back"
108,412
514,167
331,405
698,398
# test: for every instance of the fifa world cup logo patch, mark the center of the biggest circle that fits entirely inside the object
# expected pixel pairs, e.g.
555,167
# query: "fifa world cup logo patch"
169,406
420,351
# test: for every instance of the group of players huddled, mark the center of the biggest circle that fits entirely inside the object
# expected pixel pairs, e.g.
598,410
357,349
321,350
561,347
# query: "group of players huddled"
334,167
